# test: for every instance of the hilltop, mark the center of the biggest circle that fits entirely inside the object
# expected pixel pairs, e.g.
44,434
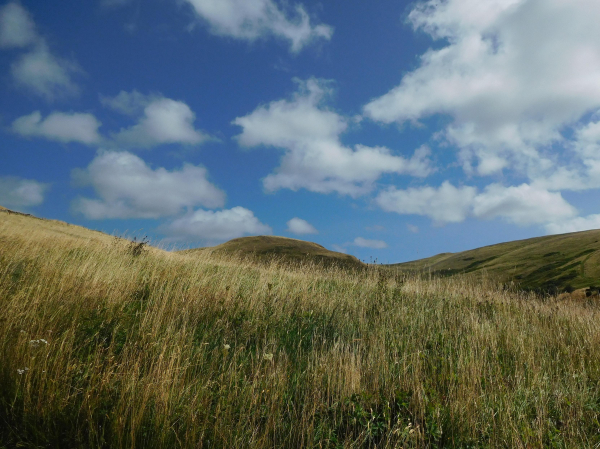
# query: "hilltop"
264,248
548,263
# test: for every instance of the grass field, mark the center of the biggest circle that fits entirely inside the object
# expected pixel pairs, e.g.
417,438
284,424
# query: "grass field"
106,343
550,263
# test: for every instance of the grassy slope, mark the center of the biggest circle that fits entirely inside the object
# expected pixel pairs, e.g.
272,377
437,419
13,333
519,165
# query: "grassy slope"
561,260
285,249
101,348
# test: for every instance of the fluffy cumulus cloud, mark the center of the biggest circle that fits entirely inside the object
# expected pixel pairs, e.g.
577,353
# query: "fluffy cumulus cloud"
128,188
299,226
17,192
366,243
574,225
446,204
522,205
44,74
59,126
16,27
253,19
128,103
582,172
513,75
37,70
160,121
216,226
314,157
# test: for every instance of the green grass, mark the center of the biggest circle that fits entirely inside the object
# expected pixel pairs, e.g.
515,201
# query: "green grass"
264,248
550,264
162,349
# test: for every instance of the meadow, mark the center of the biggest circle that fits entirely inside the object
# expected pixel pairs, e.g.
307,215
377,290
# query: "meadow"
105,343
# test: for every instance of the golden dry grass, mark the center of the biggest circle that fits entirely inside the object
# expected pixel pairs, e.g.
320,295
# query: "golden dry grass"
101,348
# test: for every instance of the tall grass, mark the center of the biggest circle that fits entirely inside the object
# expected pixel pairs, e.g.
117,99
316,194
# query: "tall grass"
100,347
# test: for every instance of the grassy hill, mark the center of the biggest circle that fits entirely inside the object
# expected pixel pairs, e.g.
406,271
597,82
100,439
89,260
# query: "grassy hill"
266,248
103,345
550,262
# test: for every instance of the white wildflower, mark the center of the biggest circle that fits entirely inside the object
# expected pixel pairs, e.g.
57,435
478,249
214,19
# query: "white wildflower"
36,343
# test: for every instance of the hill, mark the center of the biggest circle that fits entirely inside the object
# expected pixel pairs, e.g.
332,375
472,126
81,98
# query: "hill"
556,262
264,248
50,229
104,346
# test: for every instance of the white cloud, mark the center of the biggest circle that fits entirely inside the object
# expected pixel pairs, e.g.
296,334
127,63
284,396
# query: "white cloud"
412,228
18,192
446,204
522,205
339,249
574,225
162,121
217,225
128,188
299,226
366,243
129,103
513,75
45,74
314,157
253,19
73,127
38,70
582,172
16,27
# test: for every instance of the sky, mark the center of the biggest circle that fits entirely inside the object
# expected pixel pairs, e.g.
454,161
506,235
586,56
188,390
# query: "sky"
389,130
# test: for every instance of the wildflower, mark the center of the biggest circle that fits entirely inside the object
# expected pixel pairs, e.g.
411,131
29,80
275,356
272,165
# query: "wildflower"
22,371
36,343
226,348
268,357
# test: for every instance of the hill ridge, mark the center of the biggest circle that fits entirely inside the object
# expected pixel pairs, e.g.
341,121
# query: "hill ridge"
556,262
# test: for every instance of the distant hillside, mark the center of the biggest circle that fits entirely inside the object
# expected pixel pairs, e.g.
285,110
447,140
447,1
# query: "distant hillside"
265,248
546,263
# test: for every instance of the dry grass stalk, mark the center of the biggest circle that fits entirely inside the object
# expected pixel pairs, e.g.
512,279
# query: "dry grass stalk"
168,350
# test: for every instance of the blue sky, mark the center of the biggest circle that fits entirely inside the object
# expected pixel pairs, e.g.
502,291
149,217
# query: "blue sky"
389,130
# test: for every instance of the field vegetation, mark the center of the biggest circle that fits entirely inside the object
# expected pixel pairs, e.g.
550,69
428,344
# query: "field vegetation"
550,264
116,344
264,248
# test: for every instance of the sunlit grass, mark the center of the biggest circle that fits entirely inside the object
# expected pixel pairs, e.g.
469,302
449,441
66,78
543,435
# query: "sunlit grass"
103,348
